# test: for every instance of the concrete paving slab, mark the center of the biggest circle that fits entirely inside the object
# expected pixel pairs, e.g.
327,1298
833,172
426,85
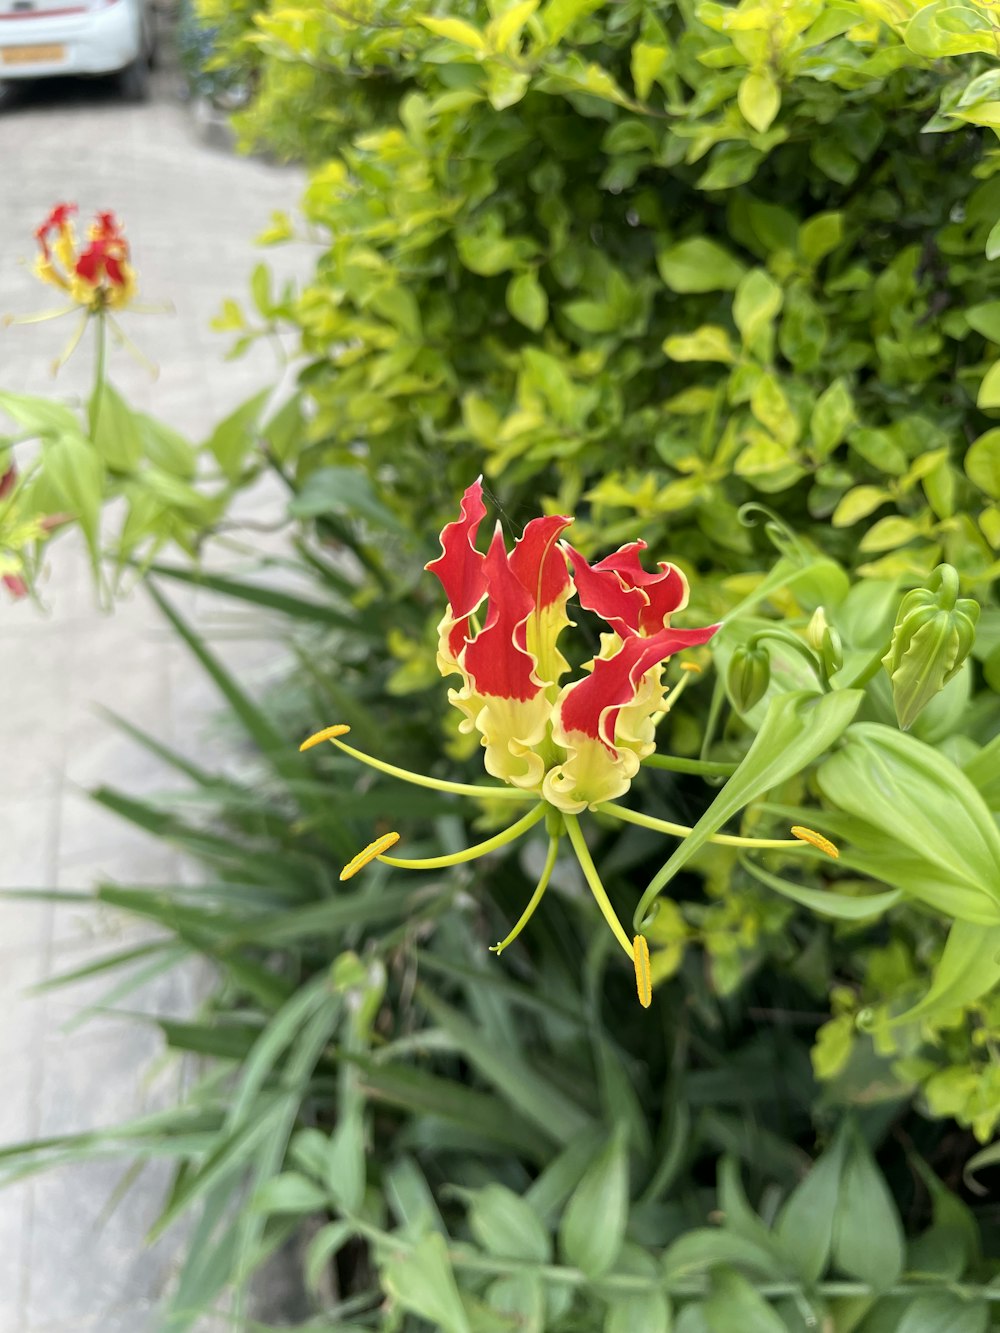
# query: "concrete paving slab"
68,1259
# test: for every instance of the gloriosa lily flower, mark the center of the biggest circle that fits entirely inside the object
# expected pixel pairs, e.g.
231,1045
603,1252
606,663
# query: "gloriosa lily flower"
564,747
99,276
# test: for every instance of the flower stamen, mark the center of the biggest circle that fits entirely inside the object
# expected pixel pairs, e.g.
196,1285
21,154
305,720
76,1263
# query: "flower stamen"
594,881
327,734
815,840
536,813
643,980
535,899
483,792
368,854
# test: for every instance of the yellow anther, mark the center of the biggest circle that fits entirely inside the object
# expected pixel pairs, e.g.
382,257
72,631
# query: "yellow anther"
370,853
691,666
643,981
327,734
815,839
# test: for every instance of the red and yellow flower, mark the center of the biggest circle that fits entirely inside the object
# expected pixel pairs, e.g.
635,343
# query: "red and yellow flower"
98,275
567,746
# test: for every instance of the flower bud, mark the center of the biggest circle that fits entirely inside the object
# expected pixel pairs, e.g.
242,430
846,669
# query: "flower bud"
824,640
933,635
748,677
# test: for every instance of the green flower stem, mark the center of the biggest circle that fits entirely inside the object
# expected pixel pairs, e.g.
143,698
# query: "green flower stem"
682,830
100,368
435,784
464,1260
534,816
704,768
536,898
594,880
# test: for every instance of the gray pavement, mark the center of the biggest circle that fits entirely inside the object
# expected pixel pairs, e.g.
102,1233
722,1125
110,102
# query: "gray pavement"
71,1256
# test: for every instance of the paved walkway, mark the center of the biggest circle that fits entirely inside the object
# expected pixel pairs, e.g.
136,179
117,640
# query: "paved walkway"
71,1257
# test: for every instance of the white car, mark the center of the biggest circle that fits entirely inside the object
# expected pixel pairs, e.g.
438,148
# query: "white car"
41,38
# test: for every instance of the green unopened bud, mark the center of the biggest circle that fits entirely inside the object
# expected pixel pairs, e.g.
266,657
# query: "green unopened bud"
748,677
933,635
824,640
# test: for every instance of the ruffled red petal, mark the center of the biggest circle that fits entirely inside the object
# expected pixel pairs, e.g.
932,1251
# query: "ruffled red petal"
57,219
604,592
667,591
460,566
539,563
497,660
592,705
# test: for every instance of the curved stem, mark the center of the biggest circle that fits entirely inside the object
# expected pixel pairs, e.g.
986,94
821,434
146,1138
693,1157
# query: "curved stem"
471,853
704,768
435,784
682,830
536,898
594,880
99,373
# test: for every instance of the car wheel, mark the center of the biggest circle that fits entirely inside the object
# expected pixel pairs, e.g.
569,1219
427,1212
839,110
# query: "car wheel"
134,80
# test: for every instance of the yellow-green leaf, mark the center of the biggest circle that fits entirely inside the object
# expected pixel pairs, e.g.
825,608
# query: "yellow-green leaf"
507,28
759,100
989,390
709,343
889,532
648,62
455,30
699,265
527,301
982,463
859,502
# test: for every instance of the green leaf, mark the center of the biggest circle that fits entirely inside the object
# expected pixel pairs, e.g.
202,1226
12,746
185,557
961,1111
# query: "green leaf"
527,301
968,969
985,319
989,390
593,316
733,1303
709,343
235,436
40,416
420,1281
805,1223
772,409
993,242
942,1312
982,462
505,30
114,430
74,471
593,1225
534,1096
759,99
344,1171
796,730
925,810
756,303
455,30
298,608
505,1225
346,492
858,503
820,235
648,62
559,16
889,533
831,417
699,265
837,905
291,1193
639,1312
867,1234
